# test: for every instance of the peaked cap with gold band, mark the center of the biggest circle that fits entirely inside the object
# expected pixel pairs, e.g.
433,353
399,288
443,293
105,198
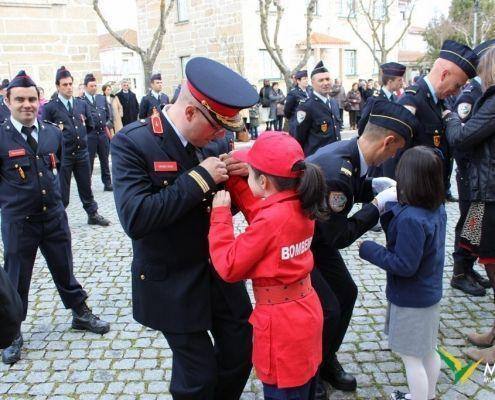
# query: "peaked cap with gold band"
461,55
395,117
220,90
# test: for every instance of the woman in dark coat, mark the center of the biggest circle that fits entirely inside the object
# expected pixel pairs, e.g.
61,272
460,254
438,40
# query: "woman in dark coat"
276,96
353,101
478,137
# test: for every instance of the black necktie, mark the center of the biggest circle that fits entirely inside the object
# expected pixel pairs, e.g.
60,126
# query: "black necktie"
191,150
69,107
392,98
29,138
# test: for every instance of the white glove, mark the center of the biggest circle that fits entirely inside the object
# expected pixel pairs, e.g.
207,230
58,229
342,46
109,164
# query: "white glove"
380,184
384,197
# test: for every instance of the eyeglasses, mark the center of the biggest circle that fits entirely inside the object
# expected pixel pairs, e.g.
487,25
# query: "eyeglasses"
216,127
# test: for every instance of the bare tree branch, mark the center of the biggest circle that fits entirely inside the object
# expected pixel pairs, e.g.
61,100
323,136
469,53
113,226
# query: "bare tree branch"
149,55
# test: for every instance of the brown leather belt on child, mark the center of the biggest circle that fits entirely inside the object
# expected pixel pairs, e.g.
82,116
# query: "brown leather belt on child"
282,293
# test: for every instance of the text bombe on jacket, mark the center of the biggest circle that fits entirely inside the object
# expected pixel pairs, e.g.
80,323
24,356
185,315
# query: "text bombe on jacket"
294,250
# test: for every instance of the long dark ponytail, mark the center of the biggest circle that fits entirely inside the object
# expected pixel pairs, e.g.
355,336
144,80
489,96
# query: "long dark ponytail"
310,187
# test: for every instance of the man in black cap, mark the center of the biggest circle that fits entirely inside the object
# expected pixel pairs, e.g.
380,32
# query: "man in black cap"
392,80
456,63
33,214
166,169
129,103
154,99
318,118
299,93
74,119
345,165
4,110
98,140
464,277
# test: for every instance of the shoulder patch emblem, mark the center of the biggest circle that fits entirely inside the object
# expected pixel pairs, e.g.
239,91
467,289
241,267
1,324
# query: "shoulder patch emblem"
300,115
337,201
463,110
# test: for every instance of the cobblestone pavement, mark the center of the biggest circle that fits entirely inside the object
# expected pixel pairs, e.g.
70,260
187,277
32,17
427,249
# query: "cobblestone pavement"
133,362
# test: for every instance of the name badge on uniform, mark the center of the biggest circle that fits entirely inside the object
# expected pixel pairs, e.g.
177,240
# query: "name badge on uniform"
165,166
17,153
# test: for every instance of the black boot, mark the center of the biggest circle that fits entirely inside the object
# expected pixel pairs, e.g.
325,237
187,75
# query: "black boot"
463,280
333,373
83,319
97,219
483,282
12,354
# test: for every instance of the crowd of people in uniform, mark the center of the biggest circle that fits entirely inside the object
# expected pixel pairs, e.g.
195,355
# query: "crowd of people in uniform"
177,181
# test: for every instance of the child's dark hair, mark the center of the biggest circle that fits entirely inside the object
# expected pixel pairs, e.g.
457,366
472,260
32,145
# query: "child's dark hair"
419,176
310,187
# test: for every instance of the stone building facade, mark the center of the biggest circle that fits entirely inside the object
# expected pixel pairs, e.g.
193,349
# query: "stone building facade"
229,31
41,35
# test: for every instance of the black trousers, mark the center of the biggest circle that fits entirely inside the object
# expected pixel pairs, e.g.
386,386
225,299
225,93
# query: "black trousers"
206,370
100,144
79,165
337,293
21,240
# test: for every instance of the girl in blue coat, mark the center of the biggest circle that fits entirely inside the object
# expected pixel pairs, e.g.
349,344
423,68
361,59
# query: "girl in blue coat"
414,260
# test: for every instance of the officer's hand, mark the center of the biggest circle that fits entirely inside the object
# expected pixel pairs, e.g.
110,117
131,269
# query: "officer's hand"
216,168
221,199
234,167
380,184
384,197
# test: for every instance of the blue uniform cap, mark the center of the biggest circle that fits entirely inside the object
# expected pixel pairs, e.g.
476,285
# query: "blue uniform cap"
301,74
89,78
461,55
393,69
156,77
319,67
62,73
395,117
483,47
21,80
221,91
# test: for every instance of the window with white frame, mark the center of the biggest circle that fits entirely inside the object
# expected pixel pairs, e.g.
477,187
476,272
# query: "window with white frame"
347,8
350,62
379,9
317,9
269,68
183,62
182,14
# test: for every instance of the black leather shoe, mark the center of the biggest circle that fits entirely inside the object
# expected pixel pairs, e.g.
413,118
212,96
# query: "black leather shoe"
467,285
84,320
108,188
12,354
483,282
321,392
334,374
97,219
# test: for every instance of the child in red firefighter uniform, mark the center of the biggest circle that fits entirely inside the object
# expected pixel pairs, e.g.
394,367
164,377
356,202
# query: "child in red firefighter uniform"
286,195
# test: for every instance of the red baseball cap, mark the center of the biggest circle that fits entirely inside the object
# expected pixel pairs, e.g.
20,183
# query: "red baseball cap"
273,153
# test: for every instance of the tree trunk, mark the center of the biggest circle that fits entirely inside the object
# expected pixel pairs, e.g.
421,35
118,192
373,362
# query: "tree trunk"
147,71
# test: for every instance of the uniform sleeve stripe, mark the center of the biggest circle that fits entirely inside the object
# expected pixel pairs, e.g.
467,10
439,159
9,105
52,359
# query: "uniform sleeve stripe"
200,181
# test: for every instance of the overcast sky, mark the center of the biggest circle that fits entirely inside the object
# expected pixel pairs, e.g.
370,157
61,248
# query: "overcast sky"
122,13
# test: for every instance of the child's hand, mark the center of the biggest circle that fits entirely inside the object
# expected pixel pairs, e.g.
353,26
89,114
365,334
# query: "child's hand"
221,199
235,167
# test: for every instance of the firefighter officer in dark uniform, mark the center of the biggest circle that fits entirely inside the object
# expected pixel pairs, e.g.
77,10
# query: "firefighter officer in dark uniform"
98,140
318,118
165,173
74,119
33,215
392,80
345,165
299,93
154,99
4,110
464,277
456,63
